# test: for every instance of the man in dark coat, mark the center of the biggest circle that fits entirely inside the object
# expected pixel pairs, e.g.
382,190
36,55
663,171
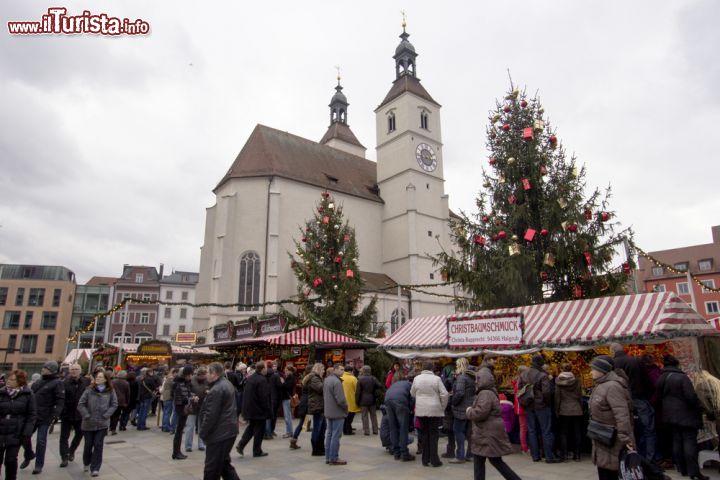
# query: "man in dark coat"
256,410
277,388
218,425
398,405
539,413
147,390
49,399
181,397
641,391
122,391
74,384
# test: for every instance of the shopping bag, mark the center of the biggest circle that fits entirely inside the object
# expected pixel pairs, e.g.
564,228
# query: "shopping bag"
630,465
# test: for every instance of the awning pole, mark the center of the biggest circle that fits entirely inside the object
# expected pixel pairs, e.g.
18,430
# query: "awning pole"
691,289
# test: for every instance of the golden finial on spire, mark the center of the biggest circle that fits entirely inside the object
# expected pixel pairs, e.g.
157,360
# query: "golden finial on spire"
337,67
404,22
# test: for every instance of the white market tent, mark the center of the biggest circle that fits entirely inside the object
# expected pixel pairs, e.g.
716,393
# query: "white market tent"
569,325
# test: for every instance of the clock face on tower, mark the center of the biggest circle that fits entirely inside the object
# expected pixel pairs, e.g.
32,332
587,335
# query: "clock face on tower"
426,157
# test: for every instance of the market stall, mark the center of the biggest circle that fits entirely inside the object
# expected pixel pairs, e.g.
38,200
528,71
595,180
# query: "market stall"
152,353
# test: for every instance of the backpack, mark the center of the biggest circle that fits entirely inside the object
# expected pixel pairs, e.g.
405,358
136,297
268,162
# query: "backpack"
526,395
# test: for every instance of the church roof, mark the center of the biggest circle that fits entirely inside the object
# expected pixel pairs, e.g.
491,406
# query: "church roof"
341,132
271,152
407,83
381,283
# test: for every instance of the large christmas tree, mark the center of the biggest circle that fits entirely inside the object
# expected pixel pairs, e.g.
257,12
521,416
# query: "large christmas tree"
327,267
536,237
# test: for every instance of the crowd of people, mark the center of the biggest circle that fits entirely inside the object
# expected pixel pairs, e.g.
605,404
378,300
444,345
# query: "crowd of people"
630,399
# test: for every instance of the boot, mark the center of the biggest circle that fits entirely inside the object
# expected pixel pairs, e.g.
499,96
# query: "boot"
293,444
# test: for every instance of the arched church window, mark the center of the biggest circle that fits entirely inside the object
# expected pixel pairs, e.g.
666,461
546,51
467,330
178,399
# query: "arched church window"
424,120
397,319
249,285
391,122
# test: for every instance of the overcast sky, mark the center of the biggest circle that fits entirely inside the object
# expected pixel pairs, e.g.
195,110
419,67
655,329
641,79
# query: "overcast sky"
110,147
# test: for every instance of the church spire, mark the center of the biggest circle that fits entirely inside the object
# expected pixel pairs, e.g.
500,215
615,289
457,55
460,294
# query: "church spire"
338,134
338,104
405,54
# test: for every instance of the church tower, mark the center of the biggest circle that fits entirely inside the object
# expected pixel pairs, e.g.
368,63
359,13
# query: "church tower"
410,178
338,134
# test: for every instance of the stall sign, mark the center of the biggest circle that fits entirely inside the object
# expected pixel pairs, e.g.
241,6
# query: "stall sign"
186,337
497,330
154,348
224,332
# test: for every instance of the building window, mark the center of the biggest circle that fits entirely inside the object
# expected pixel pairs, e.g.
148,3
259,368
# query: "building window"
183,313
432,276
126,295
657,271
249,285
145,318
28,320
49,321
12,319
12,342
391,122
424,120
429,233
397,318
118,338
168,312
49,341
682,266
708,284
143,337
19,297
184,295
181,328
139,278
56,297
166,330
168,295
659,288
146,297
705,265
712,308
28,343
682,288
36,297
3,295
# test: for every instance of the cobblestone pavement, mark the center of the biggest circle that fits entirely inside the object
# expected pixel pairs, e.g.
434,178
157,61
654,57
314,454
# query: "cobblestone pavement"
144,455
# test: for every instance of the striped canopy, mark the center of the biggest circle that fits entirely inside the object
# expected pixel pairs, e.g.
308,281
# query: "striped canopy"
715,322
572,323
308,335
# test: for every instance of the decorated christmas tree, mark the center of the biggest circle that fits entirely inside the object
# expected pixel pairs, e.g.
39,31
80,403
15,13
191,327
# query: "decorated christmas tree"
326,267
536,237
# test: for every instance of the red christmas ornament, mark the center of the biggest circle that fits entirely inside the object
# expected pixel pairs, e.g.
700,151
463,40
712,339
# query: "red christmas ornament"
349,274
526,183
626,268
317,282
523,103
543,276
544,232
346,238
304,239
494,238
338,259
528,134
485,219
320,209
512,199
334,277
530,234
588,215
325,194
604,216
492,161
507,109
578,291
553,141
326,219
479,240
543,170
572,228
506,127
502,235
588,259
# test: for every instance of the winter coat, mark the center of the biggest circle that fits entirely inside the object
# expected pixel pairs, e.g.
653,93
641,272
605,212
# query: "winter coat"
199,389
430,395
218,415
335,403
399,392
681,406
507,412
49,398
568,395
17,416
122,391
147,387
610,404
256,398
168,386
463,394
96,408
314,383
641,387
276,387
74,388
181,394
132,401
367,387
542,387
488,437
350,385
288,389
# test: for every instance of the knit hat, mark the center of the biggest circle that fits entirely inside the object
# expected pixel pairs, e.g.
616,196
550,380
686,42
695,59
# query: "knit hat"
670,361
603,363
538,361
187,370
52,366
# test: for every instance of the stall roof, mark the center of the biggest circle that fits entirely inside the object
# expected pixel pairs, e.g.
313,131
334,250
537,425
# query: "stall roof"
574,323
76,355
132,348
301,336
715,322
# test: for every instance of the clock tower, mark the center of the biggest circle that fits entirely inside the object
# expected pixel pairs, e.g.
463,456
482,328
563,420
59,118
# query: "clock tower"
410,178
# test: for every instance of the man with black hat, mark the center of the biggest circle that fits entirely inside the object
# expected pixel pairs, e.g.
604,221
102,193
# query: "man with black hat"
49,401
74,384
539,412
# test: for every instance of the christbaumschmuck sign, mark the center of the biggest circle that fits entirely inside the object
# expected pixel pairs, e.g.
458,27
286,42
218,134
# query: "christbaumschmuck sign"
497,330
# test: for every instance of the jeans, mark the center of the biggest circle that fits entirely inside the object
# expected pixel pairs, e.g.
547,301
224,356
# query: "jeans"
398,415
429,436
66,427
169,420
190,428
497,462
570,427
460,428
143,408
645,428
540,421
9,458
217,461
177,437
93,451
369,411
685,450
41,444
318,432
332,438
299,427
287,413
255,430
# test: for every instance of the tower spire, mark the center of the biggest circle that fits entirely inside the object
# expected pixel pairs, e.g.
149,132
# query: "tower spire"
338,103
405,54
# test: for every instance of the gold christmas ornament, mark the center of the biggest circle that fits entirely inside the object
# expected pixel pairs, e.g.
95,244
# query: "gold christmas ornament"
501,179
496,117
514,237
331,206
563,203
511,160
549,260
514,249
541,110
539,125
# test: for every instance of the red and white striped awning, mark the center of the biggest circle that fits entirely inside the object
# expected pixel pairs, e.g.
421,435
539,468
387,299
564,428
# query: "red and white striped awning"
578,322
310,334
715,322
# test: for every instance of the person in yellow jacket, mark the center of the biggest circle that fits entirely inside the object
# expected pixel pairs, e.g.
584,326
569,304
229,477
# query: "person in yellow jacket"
349,383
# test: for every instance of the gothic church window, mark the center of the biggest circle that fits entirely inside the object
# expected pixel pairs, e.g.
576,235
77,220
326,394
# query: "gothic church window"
249,285
397,319
391,122
424,120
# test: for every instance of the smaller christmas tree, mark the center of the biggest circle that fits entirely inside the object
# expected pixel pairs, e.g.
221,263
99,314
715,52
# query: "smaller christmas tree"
327,267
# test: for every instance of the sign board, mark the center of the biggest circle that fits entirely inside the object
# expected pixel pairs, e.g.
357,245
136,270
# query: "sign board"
185,337
497,330
154,348
252,328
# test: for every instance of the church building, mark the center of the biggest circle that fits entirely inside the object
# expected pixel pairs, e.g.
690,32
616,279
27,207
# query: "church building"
397,206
